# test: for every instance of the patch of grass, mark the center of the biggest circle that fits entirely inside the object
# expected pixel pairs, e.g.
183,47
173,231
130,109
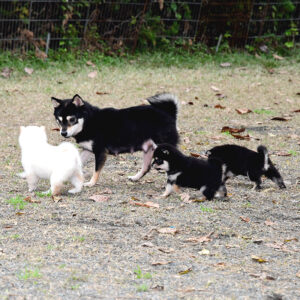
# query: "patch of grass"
293,153
15,236
43,194
50,247
30,274
227,133
205,209
75,287
140,275
142,288
61,266
78,239
17,202
263,111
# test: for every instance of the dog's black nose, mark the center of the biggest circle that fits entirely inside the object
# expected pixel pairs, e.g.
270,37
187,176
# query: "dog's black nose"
64,133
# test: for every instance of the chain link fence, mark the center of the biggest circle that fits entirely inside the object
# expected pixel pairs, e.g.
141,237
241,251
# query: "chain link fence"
44,24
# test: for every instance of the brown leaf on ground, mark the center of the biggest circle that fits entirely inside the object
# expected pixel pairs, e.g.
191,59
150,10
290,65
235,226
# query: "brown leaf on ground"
245,219
161,263
55,129
282,153
241,137
92,74
194,154
148,204
201,239
185,197
258,259
283,119
220,96
166,250
29,71
243,111
168,230
220,106
190,103
19,213
30,200
56,198
232,130
296,111
102,93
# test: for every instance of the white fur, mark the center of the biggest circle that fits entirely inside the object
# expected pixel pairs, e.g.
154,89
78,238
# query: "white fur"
164,166
87,145
173,177
42,160
266,161
164,97
76,128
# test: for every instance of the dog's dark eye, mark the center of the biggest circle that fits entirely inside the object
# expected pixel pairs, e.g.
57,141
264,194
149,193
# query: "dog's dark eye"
72,120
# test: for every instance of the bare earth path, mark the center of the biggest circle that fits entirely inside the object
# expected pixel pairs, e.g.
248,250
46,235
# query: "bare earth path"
244,248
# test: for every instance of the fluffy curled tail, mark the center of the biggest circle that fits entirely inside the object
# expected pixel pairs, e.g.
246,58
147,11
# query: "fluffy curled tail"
166,102
262,150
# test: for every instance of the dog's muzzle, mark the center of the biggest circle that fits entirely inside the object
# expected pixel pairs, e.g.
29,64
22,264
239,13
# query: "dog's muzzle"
64,133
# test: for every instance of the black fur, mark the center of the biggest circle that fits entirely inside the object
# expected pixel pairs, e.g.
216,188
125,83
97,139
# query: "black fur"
116,131
193,172
243,161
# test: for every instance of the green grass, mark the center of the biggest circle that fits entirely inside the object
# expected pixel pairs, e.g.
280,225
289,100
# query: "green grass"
17,202
263,111
30,274
78,239
43,194
15,236
205,209
170,57
293,153
140,275
142,288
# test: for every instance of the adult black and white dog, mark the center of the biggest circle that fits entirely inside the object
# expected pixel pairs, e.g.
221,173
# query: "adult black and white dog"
105,131
243,161
185,171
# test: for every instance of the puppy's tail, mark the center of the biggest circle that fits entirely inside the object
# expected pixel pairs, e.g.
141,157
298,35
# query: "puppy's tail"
263,151
166,102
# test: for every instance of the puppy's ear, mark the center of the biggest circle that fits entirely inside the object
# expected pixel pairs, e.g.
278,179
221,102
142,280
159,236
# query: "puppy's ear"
166,152
56,102
77,100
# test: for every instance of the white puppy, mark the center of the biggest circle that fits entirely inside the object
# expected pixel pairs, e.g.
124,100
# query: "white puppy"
41,160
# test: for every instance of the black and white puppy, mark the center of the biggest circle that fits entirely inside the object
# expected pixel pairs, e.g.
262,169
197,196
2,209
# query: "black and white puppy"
243,161
112,131
185,171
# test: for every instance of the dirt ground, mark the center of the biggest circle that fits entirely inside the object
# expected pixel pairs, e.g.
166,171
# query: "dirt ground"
243,247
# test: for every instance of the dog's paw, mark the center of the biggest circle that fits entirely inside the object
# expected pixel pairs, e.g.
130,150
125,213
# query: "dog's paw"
89,184
133,178
22,174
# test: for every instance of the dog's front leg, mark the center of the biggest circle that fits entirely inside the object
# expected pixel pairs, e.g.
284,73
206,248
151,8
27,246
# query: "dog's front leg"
148,149
168,190
100,159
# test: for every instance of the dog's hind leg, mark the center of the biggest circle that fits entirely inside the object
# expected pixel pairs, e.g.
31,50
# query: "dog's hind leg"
148,149
32,181
100,161
77,181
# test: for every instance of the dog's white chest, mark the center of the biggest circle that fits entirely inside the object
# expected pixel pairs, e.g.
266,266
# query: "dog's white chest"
87,145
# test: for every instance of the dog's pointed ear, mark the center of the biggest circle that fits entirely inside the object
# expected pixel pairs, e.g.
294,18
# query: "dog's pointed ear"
77,100
56,102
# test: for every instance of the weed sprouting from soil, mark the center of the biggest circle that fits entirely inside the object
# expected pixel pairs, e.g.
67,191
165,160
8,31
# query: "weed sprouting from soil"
17,202
30,274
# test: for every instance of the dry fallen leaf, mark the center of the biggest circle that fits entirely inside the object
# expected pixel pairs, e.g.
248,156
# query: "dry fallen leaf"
92,74
243,111
146,204
296,111
30,200
241,137
161,263
55,129
185,271
168,230
194,154
102,93
29,71
165,250
89,63
283,119
258,259
214,88
278,57
56,198
232,130
201,239
225,64
99,198
282,153
185,197
220,96
220,106
245,219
